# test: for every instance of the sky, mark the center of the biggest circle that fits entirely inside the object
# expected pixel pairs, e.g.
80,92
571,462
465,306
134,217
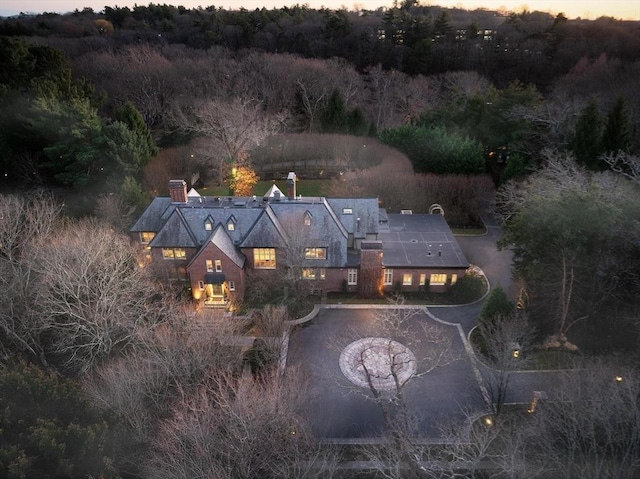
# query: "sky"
589,9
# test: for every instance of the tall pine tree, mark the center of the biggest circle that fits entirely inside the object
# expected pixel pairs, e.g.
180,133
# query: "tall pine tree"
586,143
617,133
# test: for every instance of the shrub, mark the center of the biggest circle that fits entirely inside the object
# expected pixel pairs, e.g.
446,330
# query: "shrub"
435,150
467,289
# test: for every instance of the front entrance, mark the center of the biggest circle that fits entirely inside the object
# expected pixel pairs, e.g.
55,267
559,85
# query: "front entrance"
214,291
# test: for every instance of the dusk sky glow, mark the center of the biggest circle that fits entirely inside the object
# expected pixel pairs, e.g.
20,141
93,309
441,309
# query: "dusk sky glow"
588,9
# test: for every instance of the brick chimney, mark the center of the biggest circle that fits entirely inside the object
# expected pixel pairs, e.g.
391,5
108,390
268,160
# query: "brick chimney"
291,185
178,191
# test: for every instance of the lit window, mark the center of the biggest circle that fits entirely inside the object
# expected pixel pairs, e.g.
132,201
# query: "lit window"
264,258
207,226
218,266
454,278
423,279
231,226
315,253
407,279
308,273
307,219
352,276
174,253
201,285
209,266
232,286
323,273
347,211
146,237
437,279
388,276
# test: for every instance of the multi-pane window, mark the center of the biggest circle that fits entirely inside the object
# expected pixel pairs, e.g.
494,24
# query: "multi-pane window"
423,279
146,237
388,276
454,278
232,286
315,253
438,279
174,253
407,279
347,211
352,276
209,266
308,273
201,285
323,273
218,266
264,258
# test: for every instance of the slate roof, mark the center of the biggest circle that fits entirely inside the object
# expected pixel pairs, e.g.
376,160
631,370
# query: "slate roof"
420,241
260,222
221,239
366,209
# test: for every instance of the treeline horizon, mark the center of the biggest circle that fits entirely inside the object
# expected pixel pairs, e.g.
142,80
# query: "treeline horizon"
529,46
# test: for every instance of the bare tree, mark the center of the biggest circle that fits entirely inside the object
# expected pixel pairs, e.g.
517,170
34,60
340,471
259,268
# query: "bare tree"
507,342
624,163
590,426
232,126
239,427
89,299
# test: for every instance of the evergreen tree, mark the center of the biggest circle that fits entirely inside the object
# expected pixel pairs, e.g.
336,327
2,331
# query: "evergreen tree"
617,133
586,144
334,116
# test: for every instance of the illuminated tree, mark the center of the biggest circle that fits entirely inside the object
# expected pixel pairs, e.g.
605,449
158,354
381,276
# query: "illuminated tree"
242,180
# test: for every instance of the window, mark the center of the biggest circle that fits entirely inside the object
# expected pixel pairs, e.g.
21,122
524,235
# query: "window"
264,258
454,278
423,279
207,225
174,253
218,266
209,266
307,219
201,285
146,237
352,276
323,273
407,279
231,226
388,276
232,286
308,273
315,253
438,279
347,211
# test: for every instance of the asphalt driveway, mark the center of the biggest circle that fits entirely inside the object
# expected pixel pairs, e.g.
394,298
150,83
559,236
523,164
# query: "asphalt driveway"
450,394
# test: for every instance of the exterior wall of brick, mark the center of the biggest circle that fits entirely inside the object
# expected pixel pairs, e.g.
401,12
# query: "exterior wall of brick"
398,276
232,273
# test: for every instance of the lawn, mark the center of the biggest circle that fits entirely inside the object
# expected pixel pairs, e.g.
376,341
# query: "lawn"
303,187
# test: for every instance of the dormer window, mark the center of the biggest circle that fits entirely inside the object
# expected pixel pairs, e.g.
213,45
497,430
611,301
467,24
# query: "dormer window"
347,211
307,218
231,223
207,225
146,237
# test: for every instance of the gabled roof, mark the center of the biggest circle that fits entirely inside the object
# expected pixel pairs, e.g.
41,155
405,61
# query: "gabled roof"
152,218
193,193
266,232
271,192
221,239
175,233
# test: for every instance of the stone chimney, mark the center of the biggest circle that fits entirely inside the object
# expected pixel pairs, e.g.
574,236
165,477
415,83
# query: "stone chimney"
291,185
178,191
